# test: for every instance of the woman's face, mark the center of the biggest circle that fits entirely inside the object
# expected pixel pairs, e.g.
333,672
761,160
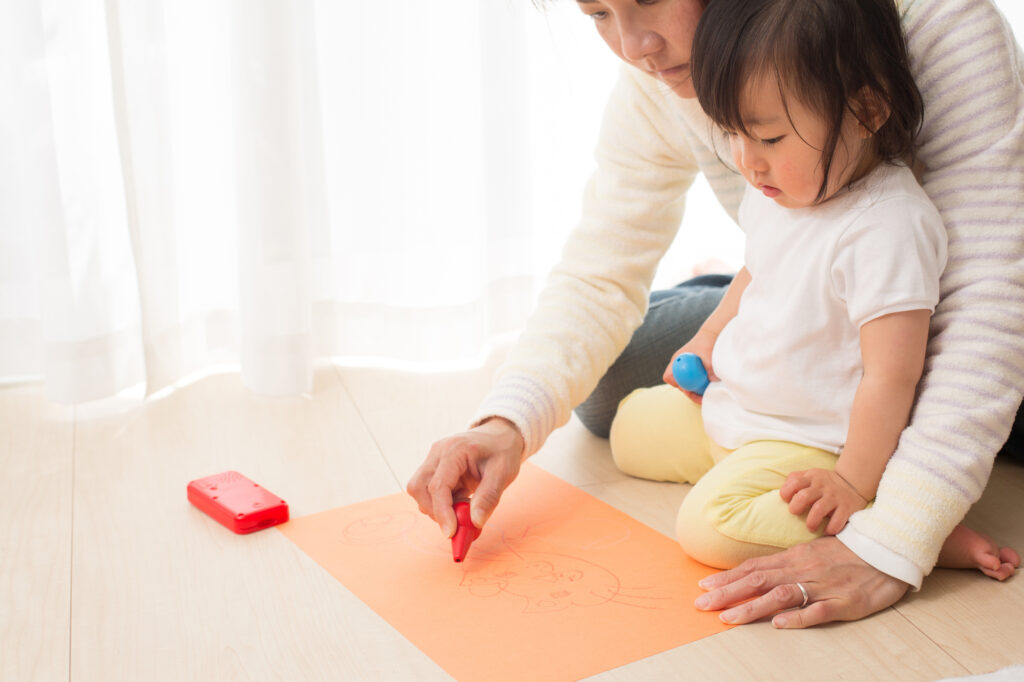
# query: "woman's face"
652,35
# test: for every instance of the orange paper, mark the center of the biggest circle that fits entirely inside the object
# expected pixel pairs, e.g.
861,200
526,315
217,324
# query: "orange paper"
558,586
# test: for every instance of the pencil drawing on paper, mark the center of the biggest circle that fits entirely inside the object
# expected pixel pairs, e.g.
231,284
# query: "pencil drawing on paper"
542,566
378,529
549,582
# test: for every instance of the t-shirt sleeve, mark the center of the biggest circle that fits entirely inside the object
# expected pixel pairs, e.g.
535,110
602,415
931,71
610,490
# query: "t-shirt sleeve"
889,260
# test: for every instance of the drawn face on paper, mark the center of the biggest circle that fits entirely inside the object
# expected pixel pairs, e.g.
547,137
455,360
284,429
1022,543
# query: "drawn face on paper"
551,561
521,567
546,582
378,529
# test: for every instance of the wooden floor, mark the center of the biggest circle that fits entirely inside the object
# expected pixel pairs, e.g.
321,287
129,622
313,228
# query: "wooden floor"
107,573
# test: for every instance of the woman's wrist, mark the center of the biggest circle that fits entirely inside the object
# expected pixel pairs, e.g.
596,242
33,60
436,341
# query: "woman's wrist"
505,429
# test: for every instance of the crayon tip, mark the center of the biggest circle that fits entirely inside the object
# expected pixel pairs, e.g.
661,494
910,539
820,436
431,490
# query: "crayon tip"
465,534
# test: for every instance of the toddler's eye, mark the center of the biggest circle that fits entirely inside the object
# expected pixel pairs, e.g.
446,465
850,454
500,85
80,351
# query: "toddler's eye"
774,140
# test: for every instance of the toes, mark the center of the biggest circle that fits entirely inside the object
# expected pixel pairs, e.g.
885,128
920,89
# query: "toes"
1002,573
1008,556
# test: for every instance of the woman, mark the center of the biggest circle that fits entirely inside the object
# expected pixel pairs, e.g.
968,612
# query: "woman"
653,142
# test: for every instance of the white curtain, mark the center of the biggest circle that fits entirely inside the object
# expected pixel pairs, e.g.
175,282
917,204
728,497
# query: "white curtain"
261,183
187,183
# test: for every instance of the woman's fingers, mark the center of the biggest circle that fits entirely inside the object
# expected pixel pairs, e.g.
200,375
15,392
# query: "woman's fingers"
780,597
839,586
496,475
447,473
752,578
481,462
447,477
813,614
417,485
726,578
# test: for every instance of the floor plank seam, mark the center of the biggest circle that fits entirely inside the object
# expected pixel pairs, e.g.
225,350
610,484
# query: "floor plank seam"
366,425
71,551
895,607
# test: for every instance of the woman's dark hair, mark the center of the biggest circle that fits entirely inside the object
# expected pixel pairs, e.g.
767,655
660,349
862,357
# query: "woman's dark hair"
827,53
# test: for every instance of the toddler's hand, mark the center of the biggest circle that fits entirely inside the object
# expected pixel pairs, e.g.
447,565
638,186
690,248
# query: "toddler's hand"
700,345
821,493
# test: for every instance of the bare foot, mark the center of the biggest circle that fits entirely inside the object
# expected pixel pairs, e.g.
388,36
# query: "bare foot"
965,548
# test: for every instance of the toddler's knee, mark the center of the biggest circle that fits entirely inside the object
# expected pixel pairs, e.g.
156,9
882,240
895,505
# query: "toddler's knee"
632,420
695,532
704,531
657,434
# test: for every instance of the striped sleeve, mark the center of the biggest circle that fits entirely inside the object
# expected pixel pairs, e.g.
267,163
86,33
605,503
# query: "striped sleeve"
972,145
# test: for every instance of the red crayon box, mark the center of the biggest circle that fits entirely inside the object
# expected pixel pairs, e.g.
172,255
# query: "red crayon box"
237,503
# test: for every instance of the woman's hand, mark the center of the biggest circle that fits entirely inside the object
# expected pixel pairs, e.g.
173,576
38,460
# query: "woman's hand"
481,462
839,586
821,494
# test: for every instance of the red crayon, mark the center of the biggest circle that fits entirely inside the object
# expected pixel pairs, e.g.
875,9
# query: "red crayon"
465,533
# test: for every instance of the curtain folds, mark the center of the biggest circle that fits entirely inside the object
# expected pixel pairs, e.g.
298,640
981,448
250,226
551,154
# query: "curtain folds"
263,183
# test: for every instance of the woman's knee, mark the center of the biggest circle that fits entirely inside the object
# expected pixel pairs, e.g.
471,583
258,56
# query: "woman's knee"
672,319
597,412
637,368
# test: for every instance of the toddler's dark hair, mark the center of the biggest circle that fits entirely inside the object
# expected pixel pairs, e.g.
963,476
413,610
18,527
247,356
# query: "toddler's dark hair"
824,52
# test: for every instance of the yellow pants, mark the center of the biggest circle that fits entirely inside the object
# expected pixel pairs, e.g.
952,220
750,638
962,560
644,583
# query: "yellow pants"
734,511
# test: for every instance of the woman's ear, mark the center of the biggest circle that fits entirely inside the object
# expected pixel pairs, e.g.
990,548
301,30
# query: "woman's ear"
871,110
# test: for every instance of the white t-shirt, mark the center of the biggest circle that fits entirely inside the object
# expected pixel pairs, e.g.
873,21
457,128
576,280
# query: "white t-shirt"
790,361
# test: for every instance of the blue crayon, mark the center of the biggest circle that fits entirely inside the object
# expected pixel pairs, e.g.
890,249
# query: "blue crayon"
689,373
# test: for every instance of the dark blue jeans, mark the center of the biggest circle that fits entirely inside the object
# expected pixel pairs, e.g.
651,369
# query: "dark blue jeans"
673,318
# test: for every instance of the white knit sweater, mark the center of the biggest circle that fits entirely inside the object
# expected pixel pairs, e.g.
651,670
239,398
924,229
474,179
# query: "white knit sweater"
653,143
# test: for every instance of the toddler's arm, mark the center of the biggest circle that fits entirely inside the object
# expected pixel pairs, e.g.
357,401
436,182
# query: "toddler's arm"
892,352
703,341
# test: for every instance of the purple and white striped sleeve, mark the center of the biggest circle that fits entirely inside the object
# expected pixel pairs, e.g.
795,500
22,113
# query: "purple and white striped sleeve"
968,68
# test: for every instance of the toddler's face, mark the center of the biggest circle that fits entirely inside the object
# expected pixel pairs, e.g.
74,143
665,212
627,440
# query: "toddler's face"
782,155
